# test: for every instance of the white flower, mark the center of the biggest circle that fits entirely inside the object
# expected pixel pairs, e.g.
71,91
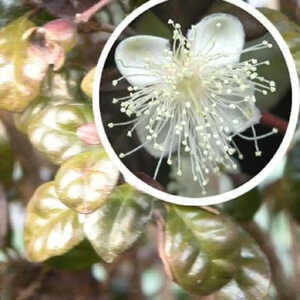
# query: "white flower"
192,96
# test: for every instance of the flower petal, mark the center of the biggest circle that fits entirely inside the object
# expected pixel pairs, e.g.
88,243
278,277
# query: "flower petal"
131,55
220,35
242,117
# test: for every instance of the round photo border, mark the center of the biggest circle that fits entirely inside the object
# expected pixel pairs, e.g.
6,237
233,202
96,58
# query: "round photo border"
133,180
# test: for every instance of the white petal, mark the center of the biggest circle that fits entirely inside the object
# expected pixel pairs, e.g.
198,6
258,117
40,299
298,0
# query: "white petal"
238,120
131,54
220,35
161,139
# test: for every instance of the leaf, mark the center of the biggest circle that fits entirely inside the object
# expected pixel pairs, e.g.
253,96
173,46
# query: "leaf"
297,60
6,158
119,222
150,24
133,4
84,182
80,257
87,83
64,84
51,228
21,72
292,38
290,31
243,208
33,110
252,281
53,132
199,249
281,21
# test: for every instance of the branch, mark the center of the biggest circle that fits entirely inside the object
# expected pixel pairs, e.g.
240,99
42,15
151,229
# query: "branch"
284,289
24,152
274,122
89,13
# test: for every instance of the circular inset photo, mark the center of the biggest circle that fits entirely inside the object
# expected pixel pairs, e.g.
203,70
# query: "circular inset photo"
196,109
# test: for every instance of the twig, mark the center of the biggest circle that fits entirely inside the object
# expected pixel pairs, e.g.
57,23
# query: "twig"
284,289
33,287
274,122
88,14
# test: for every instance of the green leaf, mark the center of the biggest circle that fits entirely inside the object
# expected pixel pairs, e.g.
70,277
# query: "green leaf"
199,249
281,21
53,132
80,257
6,157
85,181
33,110
297,60
51,228
289,30
133,4
243,208
150,24
252,281
57,88
87,83
64,84
119,222
292,38
21,71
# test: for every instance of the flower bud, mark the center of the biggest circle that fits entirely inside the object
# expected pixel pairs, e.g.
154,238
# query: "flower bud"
88,134
62,31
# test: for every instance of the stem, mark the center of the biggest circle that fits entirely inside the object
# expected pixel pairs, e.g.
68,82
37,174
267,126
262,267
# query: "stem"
274,122
211,210
284,289
88,14
4,218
